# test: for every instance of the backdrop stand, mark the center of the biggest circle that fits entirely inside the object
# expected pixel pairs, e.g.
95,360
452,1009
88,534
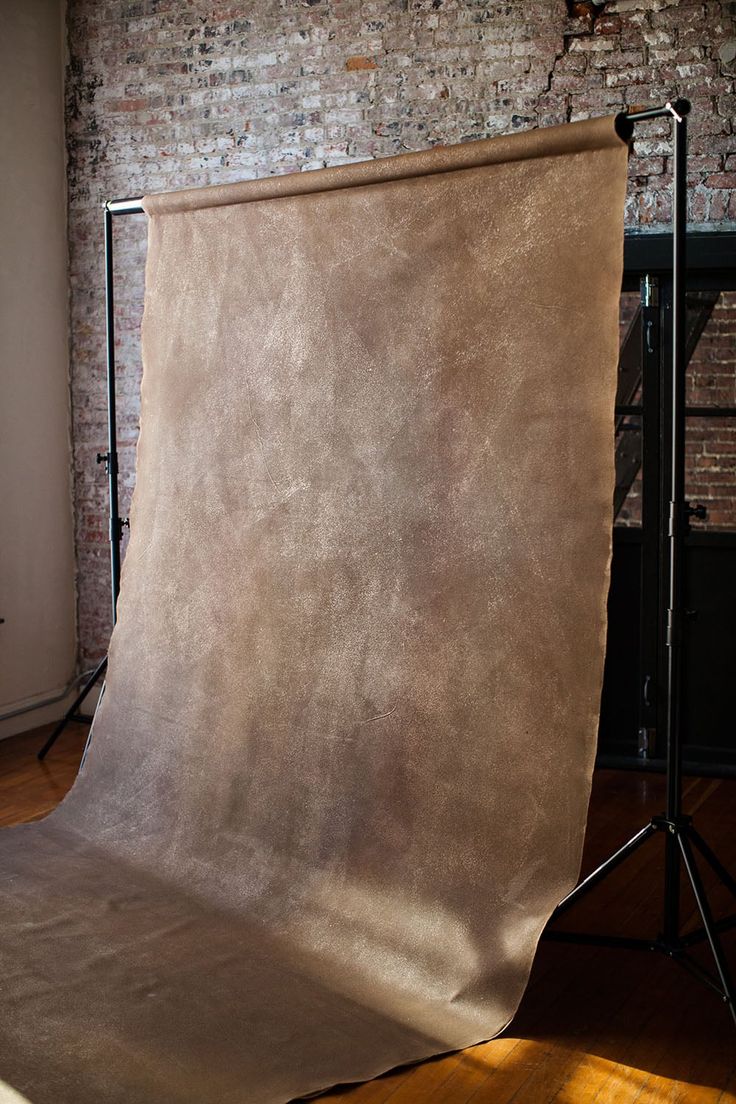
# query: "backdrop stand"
110,460
680,836
681,839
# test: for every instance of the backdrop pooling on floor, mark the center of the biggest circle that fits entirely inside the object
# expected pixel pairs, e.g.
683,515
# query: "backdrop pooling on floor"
339,776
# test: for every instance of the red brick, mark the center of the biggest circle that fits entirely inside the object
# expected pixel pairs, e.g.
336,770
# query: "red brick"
721,180
607,25
357,61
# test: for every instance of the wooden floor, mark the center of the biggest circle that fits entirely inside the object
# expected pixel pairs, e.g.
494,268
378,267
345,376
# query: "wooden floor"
596,1024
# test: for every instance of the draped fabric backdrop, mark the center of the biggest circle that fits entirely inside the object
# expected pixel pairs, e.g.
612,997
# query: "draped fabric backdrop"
339,775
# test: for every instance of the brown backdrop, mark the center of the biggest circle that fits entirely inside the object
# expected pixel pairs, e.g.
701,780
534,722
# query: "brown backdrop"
339,775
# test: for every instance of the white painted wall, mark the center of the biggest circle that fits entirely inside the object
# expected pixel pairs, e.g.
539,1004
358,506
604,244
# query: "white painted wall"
37,596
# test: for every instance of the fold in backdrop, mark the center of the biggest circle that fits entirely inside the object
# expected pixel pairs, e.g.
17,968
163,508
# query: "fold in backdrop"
339,775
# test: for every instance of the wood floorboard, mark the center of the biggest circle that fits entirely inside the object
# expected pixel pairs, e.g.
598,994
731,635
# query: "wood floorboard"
596,1026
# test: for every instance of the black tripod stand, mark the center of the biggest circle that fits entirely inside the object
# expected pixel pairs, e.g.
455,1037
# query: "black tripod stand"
681,839
110,460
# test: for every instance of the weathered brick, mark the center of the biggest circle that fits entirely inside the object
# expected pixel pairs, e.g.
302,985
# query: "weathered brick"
359,61
721,180
607,25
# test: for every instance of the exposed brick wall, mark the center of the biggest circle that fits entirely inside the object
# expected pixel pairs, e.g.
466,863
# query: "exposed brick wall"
177,93
711,442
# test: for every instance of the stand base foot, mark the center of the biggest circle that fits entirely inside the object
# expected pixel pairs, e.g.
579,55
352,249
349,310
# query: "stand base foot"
680,834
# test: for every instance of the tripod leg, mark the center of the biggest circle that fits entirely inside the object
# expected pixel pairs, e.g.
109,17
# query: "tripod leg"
713,861
99,669
671,920
605,868
693,874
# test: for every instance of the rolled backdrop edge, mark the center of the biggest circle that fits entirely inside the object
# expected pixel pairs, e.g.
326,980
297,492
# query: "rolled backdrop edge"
565,138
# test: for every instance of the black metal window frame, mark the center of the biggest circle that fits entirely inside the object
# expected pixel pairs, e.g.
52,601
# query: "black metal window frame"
711,262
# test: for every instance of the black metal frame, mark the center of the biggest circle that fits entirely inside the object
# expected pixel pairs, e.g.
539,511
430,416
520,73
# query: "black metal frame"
681,837
711,270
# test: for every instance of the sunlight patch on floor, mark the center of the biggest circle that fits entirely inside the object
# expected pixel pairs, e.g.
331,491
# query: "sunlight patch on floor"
10,1096
542,1069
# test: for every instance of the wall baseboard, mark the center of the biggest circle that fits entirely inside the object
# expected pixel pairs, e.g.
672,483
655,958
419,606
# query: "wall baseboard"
46,714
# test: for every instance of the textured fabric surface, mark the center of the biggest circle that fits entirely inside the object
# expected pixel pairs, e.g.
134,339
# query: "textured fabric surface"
339,775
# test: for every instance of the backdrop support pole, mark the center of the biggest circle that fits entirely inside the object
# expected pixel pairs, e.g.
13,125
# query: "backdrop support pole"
677,526
680,837
110,460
